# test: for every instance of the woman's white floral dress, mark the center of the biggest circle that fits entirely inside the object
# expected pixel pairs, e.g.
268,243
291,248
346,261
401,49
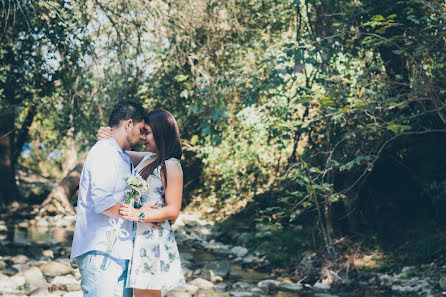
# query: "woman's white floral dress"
155,264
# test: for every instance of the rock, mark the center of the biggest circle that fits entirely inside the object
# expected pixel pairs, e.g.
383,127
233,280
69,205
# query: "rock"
442,283
244,238
20,267
17,280
201,283
10,271
19,259
48,254
321,286
186,257
240,286
269,285
2,265
177,292
3,278
234,275
197,272
190,289
210,276
34,279
242,294
257,291
325,295
407,269
403,289
65,283
385,279
39,292
188,274
239,251
290,287
220,268
222,287
54,268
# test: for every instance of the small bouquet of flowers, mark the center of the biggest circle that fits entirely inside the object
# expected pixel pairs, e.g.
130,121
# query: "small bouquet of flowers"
136,185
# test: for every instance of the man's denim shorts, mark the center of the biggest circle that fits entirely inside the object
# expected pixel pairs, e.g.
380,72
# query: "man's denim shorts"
107,281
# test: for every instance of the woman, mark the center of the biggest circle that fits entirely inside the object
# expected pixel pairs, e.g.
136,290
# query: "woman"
155,264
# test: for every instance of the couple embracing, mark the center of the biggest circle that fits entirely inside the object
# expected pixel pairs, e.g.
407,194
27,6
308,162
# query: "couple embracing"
144,258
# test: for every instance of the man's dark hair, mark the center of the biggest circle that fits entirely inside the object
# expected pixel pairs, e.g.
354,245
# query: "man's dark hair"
125,110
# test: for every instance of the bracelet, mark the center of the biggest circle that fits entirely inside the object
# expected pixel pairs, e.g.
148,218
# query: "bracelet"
141,217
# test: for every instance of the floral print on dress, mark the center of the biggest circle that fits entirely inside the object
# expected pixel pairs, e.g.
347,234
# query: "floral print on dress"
155,264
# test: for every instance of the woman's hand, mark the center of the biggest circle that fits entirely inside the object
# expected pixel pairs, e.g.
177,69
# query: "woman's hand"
129,213
104,133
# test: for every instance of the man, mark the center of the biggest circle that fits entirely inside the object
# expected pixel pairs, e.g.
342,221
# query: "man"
101,191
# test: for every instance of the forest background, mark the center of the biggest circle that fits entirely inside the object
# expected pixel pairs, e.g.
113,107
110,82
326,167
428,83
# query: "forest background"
323,118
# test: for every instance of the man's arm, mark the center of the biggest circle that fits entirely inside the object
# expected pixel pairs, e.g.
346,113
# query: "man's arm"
104,173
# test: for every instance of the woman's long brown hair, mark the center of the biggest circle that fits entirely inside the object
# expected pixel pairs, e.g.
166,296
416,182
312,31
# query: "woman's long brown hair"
167,138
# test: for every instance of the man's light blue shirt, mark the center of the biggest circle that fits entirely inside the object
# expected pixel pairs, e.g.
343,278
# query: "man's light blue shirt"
101,186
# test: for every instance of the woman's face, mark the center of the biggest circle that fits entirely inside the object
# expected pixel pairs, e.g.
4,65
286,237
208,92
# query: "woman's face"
149,140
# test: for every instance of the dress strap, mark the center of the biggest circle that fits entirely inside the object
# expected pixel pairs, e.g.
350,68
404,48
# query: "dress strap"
176,160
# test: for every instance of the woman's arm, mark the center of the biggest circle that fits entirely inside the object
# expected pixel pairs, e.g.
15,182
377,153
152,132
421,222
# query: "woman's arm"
136,157
174,195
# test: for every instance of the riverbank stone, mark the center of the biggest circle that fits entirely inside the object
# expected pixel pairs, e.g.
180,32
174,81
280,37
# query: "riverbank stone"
65,283
53,269
269,285
201,283
239,251
10,271
19,259
321,286
34,279
442,283
17,281
220,268
290,287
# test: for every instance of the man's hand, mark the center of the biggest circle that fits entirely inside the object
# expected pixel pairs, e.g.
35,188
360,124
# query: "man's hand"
104,133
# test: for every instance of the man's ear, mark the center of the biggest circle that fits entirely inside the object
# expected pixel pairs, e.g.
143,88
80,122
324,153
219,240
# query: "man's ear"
128,124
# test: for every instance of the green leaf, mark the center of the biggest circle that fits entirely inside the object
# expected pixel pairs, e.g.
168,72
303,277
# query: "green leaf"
180,77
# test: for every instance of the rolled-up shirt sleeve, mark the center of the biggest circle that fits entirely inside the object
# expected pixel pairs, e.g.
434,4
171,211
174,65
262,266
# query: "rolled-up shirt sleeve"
103,180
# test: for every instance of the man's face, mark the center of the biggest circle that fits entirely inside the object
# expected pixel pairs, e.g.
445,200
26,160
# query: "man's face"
135,134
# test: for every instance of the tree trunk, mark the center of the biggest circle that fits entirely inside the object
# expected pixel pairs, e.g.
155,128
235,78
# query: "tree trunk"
61,198
8,186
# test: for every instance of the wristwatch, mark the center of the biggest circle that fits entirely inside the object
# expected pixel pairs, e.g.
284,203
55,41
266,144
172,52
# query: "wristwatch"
141,217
